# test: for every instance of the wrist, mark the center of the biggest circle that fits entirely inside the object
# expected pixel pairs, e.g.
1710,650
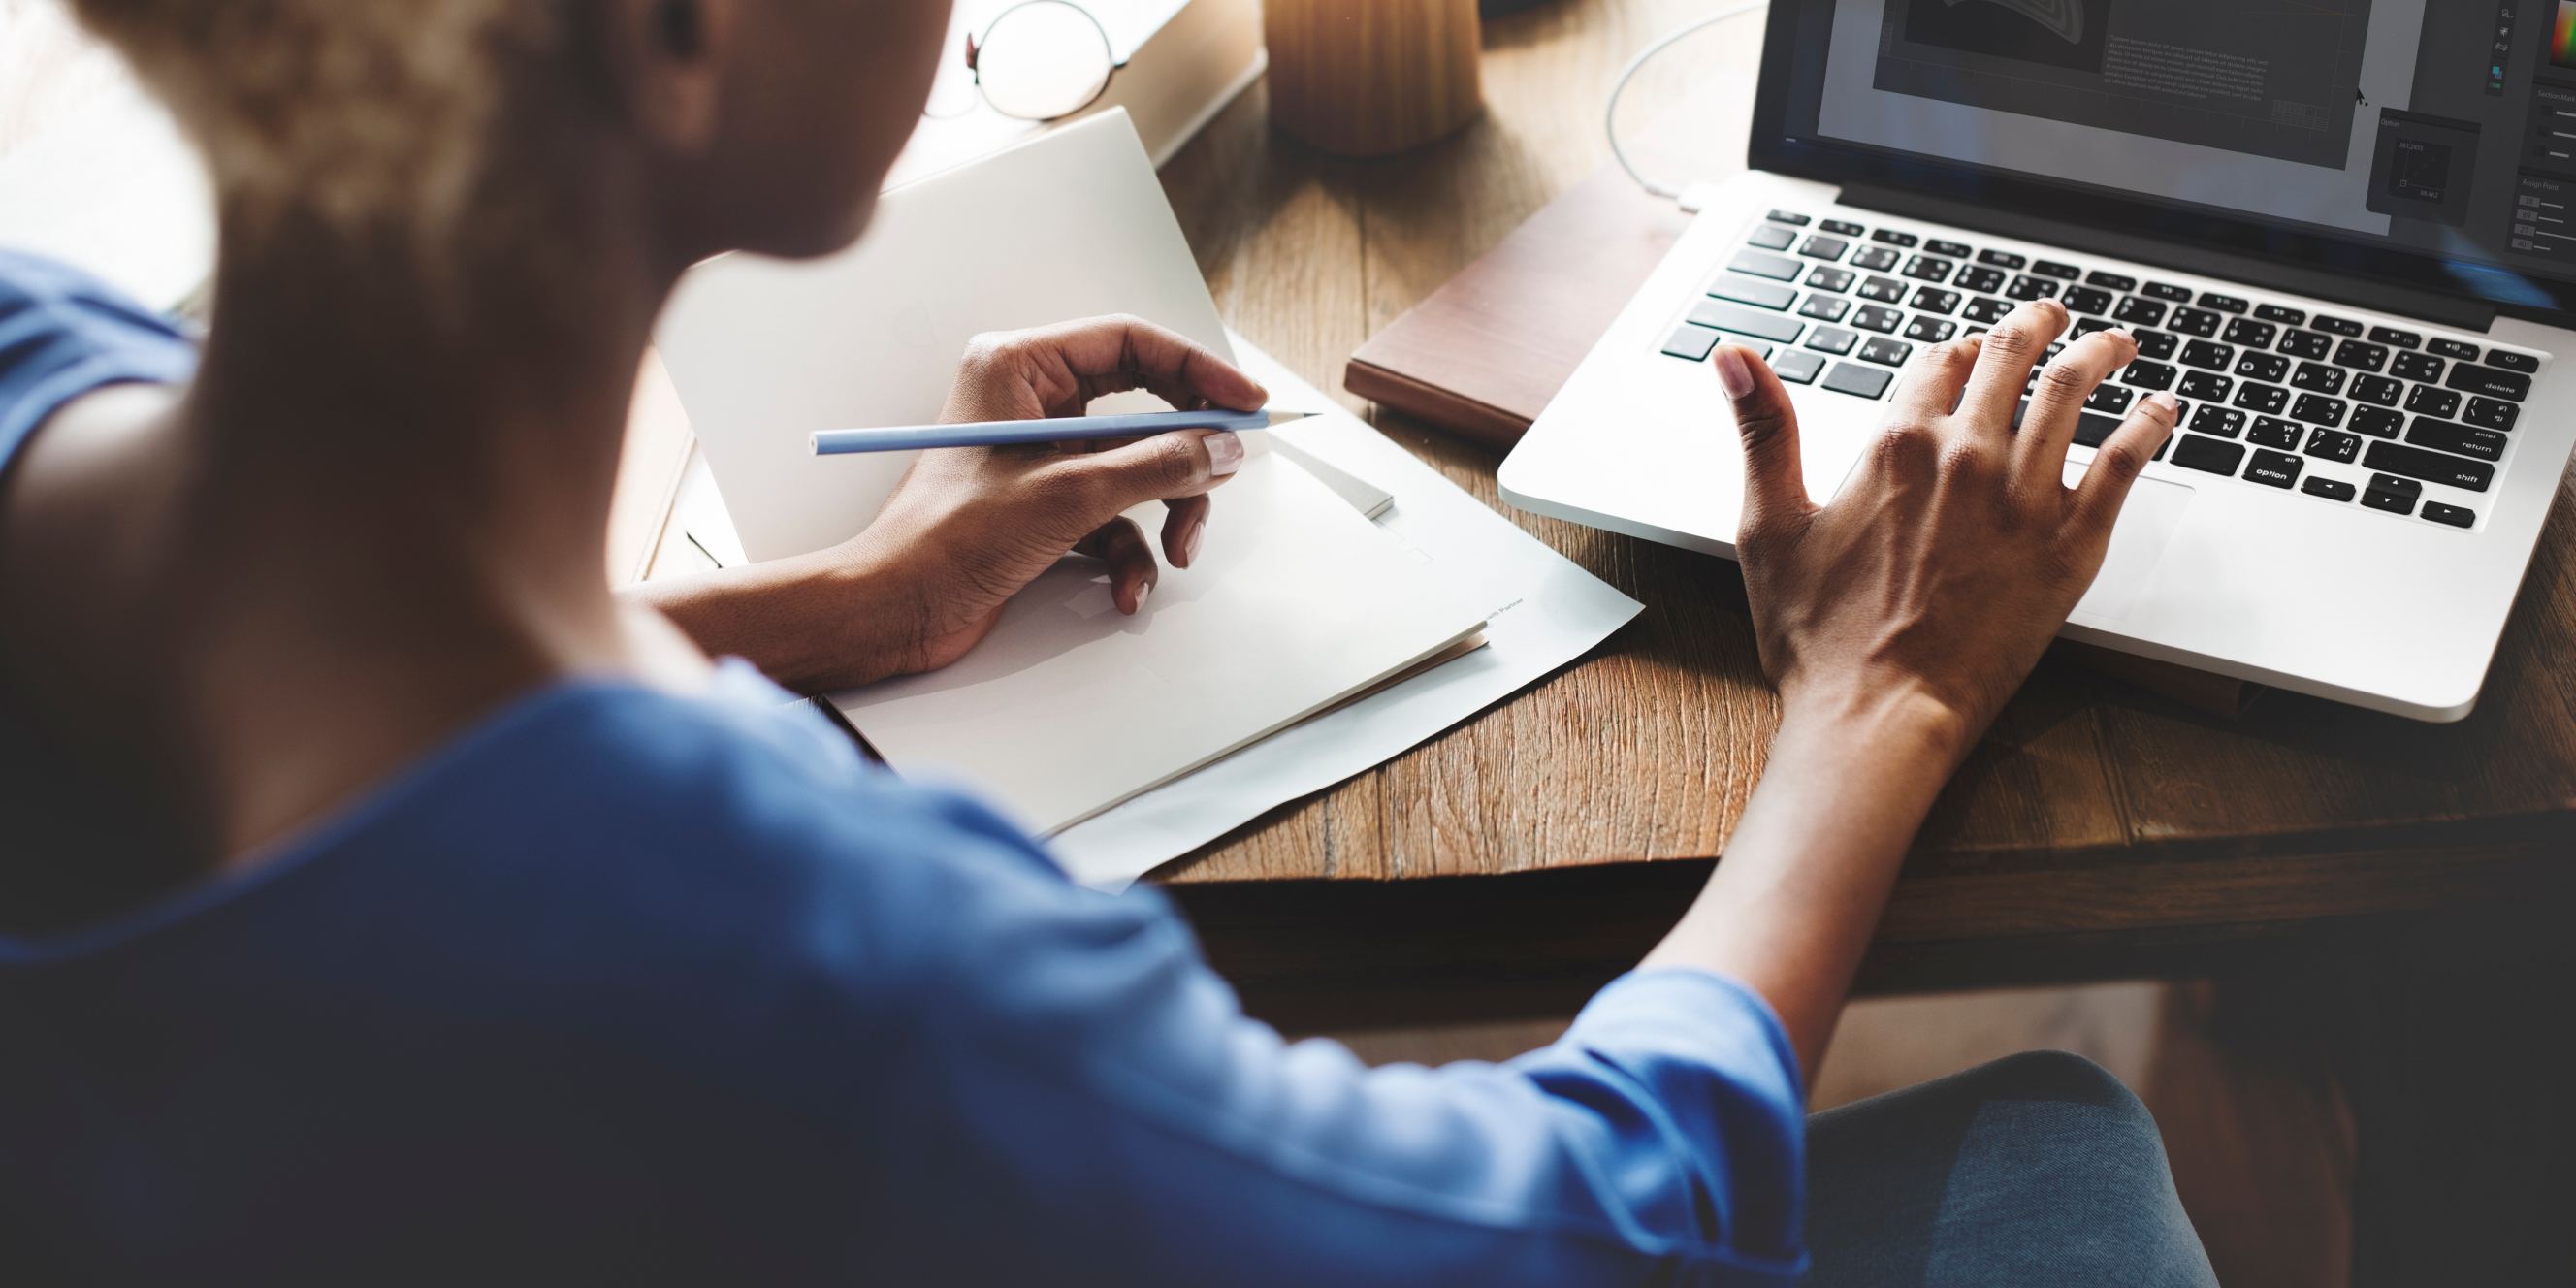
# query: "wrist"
1894,726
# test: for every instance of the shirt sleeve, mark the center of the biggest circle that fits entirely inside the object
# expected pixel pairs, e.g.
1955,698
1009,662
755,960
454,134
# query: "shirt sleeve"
1086,1075
64,333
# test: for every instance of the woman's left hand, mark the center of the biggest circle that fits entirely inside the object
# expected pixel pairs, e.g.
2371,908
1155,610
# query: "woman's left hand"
969,527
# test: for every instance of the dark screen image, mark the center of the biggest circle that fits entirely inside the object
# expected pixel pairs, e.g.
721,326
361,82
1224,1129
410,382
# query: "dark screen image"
2057,33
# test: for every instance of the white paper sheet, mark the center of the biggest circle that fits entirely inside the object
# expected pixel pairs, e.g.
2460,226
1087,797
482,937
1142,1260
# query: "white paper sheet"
1548,612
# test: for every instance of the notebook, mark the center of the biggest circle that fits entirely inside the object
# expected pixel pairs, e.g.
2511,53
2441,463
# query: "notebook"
1068,708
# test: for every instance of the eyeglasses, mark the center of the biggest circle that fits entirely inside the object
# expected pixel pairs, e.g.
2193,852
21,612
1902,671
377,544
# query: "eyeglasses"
1039,60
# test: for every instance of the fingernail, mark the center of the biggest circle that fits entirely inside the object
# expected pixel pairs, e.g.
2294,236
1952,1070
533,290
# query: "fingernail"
1190,544
2165,402
1143,588
1734,374
1225,453
2125,334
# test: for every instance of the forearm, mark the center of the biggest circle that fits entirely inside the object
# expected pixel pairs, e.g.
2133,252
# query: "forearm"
811,623
1798,893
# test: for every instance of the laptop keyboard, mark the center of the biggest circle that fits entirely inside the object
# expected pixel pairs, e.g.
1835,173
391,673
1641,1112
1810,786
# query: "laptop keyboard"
2406,420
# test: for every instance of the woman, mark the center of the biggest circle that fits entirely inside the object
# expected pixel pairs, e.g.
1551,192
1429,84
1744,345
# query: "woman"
388,900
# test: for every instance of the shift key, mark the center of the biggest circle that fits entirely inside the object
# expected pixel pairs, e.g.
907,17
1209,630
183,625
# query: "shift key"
1744,321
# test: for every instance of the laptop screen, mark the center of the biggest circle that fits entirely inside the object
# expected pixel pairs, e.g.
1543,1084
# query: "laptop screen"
2431,142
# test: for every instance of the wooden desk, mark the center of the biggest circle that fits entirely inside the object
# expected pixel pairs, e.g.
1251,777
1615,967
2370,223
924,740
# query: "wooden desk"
1515,863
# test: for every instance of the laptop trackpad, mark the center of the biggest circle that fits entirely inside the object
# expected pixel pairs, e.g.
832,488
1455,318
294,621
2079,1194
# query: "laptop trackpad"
2147,522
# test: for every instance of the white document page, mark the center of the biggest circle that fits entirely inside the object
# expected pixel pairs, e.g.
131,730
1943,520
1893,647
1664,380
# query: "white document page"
1068,707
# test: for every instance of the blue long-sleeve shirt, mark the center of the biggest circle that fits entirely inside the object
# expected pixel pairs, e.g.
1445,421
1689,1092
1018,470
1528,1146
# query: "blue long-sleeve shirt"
625,984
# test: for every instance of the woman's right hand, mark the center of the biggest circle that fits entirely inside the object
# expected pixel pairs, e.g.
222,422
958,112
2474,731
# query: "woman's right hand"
1942,571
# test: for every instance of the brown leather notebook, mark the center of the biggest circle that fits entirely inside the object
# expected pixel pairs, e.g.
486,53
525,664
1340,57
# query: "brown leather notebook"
1483,355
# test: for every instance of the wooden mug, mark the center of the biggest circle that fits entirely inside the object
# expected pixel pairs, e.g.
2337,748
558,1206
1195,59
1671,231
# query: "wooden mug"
1370,77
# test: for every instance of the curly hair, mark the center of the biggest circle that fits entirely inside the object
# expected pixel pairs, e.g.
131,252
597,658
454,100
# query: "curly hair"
367,115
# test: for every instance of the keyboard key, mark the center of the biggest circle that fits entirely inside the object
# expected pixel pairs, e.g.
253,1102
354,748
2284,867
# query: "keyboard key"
1932,299
2206,386
1831,339
2281,314
1929,268
2208,355
2334,445
2199,322
2085,299
1878,317
2522,362
2087,326
1842,228
1877,259
2272,431
1797,366
2253,334
1955,250
2330,489
2137,310
2169,291
2222,303
2456,349
2265,399
2149,375
1824,308
2216,456
2378,422
2391,493
2450,514
2001,259
2424,400
1894,237
2224,422
1984,281
1885,352
1884,290
2390,335
1770,238
2318,378
2486,413
2053,268
2109,400
2110,281
2263,366
2317,409
2469,377
1691,342
1853,378
2360,356
2032,288
2274,469
1753,290
1931,330
2380,391
2307,344
2484,444
2419,367
1830,279
2158,345
1986,309
1788,217
1774,267
2432,467
1823,247
1744,321
2335,325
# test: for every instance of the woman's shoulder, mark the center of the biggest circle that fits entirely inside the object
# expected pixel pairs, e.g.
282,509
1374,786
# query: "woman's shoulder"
64,333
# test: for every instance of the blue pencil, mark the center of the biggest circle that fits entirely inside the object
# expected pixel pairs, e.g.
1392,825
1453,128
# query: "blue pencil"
1064,429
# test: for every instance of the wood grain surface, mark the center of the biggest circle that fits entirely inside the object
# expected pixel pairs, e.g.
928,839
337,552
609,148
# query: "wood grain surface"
2098,825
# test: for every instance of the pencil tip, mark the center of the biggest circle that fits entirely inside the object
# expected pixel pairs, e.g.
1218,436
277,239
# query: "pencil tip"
1278,418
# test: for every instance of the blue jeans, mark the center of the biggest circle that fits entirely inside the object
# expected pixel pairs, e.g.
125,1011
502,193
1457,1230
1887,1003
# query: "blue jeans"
2035,1169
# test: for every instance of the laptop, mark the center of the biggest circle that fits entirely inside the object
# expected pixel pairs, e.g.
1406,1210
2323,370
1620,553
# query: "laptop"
2343,231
